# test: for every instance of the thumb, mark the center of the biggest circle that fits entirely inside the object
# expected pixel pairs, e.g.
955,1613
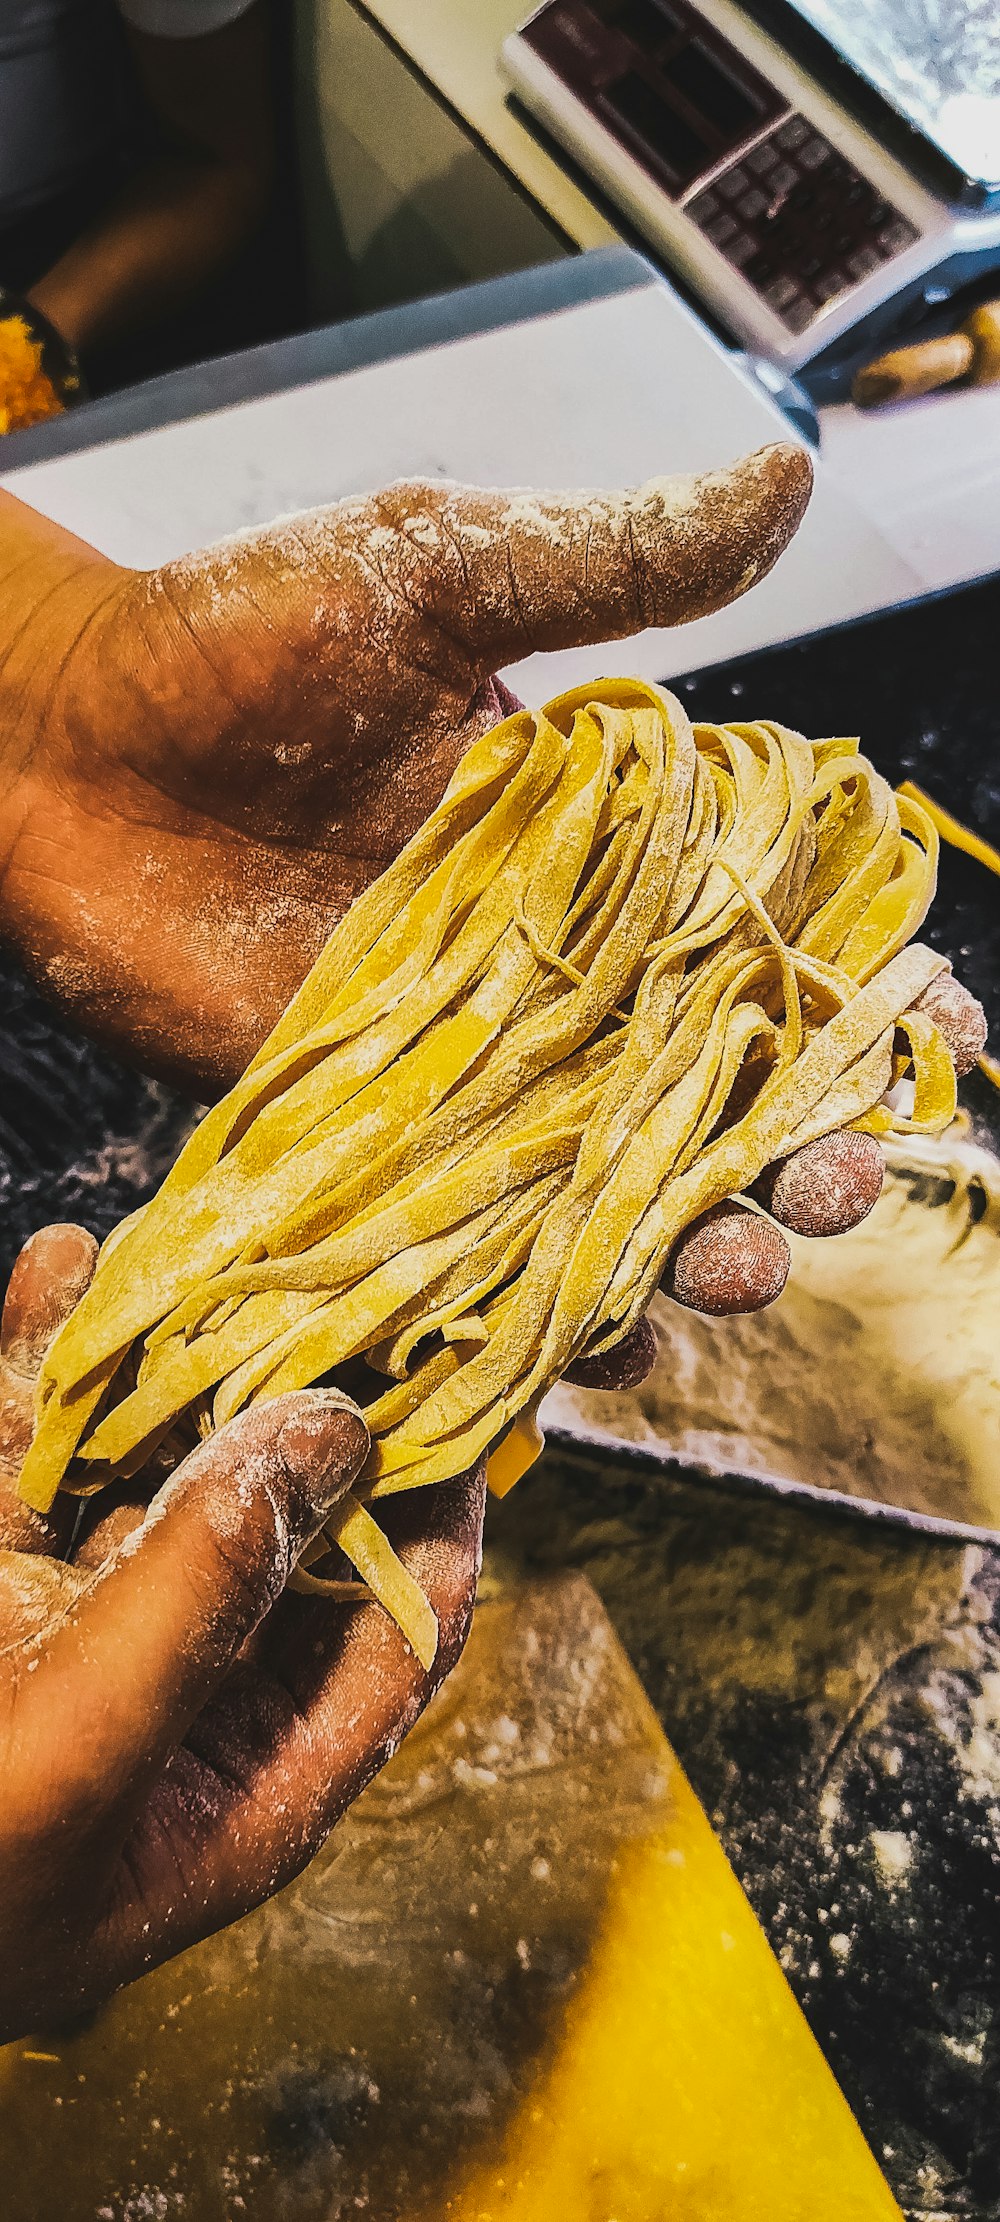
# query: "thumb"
545,571
126,1671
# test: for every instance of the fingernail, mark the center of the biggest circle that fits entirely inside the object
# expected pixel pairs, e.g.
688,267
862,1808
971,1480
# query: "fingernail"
730,1260
959,1017
323,1446
624,1366
825,1188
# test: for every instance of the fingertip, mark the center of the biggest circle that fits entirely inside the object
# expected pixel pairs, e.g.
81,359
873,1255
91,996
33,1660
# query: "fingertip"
764,497
625,1366
731,1260
959,1017
790,468
825,1188
323,1444
701,542
49,1276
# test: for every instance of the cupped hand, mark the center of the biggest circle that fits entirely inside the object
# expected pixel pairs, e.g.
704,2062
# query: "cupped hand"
177,1736
210,760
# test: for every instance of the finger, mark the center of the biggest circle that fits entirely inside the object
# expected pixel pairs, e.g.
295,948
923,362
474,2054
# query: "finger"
293,1738
554,571
353,1676
48,1279
959,1018
106,1522
33,1590
50,1275
826,1187
125,1673
730,1260
624,1366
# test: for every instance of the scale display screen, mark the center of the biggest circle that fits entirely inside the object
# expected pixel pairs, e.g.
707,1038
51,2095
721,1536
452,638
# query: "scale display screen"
936,62
659,77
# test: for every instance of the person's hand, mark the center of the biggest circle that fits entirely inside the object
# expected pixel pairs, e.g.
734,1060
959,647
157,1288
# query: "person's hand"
207,762
177,1736
204,764
735,1259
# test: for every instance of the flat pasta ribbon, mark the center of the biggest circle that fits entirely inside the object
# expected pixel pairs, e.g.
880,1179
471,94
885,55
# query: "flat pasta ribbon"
624,965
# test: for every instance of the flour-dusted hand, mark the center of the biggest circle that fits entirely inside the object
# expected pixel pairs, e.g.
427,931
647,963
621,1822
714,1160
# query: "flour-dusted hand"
177,1736
206,763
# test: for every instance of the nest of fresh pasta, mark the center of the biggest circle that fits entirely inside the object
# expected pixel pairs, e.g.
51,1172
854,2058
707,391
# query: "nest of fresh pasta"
625,966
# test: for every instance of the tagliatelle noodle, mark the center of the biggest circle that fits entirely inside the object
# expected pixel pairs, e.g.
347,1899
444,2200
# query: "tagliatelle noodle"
624,965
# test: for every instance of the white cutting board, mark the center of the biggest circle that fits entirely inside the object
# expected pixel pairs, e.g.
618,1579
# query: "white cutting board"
601,395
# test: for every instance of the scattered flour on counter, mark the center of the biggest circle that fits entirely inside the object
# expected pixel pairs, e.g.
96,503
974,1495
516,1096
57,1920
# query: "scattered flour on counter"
979,1757
893,1851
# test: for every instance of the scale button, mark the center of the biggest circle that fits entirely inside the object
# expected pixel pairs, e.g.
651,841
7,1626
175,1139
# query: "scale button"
740,249
720,230
704,208
752,205
813,154
781,293
832,282
792,133
894,237
762,158
781,181
733,184
864,261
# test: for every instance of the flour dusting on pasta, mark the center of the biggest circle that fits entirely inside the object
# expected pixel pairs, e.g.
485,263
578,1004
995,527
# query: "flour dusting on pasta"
625,965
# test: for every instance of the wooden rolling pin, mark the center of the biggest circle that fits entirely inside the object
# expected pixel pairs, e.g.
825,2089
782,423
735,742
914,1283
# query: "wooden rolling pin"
972,354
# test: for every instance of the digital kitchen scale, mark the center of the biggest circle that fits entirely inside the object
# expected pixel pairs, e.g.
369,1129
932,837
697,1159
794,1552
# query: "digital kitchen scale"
822,175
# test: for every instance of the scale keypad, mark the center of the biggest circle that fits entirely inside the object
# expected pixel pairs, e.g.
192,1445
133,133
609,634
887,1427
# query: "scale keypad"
799,222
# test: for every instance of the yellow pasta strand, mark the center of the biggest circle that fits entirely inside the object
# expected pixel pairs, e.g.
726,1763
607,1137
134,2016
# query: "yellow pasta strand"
951,829
959,836
624,965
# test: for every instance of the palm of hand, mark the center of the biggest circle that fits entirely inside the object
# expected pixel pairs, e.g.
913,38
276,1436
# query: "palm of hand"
247,767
